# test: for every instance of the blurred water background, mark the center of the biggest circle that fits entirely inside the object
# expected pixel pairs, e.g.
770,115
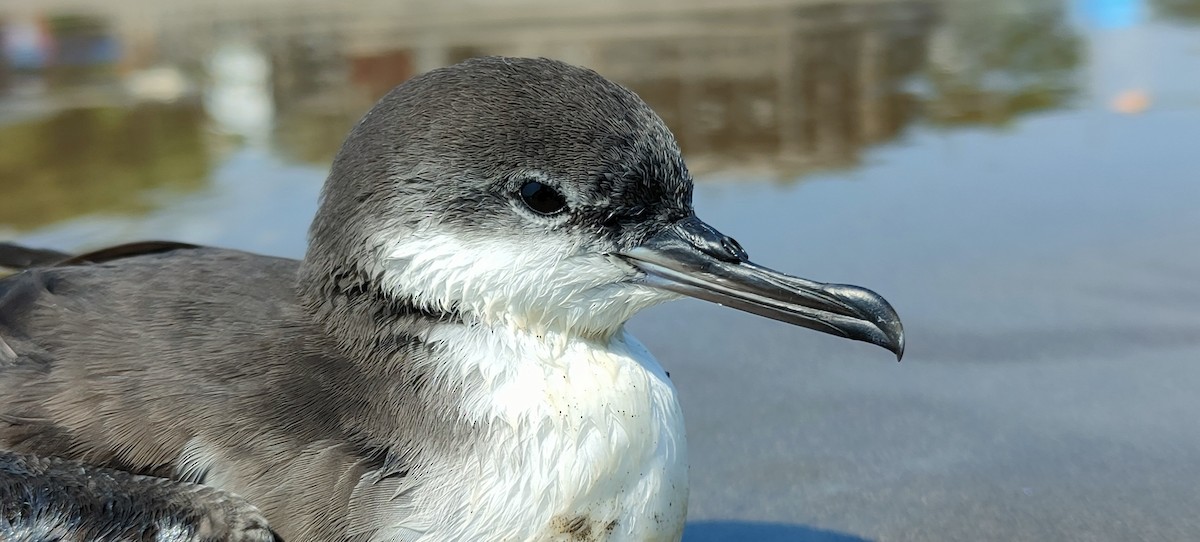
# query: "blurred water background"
1021,178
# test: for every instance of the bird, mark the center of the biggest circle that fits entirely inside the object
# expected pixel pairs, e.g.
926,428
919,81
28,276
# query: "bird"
449,360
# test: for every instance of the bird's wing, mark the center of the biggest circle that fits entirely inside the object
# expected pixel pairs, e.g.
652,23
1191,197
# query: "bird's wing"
54,499
198,365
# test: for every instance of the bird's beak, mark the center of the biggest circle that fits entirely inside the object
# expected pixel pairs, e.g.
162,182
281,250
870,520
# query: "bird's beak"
694,259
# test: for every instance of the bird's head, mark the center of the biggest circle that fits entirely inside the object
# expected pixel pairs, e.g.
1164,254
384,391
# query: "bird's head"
533,194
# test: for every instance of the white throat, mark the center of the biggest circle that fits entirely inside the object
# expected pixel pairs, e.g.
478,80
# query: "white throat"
584,440
544,285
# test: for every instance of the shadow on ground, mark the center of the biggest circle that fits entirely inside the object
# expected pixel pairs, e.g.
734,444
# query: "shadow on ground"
723,531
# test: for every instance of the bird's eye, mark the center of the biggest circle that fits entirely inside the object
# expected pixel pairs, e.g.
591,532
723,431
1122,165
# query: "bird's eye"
542,199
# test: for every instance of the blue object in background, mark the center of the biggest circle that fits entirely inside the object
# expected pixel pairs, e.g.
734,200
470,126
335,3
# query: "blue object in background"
1110,14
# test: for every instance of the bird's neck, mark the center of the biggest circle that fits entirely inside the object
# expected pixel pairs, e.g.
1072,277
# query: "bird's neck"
365,317
365,322
497,369
455,396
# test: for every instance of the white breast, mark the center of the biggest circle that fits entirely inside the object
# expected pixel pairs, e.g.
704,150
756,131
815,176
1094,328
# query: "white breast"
585,442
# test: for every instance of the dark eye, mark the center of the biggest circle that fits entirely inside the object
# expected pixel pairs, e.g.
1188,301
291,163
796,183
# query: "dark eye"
542,198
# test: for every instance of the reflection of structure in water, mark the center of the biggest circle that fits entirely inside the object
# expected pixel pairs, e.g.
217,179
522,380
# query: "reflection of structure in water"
782,85
785,87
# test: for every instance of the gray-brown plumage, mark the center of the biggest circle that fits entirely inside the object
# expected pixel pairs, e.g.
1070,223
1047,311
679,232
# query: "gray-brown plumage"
332,395
47,499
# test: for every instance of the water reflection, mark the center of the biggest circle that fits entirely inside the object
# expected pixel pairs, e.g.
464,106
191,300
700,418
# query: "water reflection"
99,160
1180,10
102,106
994,61
785,88
807,90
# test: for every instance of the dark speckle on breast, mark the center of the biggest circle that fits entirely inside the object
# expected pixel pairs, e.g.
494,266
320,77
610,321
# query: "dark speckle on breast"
583,528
